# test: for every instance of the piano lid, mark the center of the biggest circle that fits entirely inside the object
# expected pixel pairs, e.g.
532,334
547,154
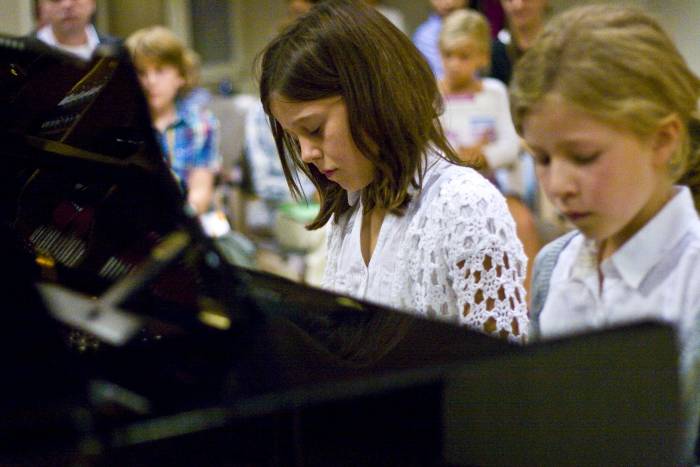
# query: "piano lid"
91,197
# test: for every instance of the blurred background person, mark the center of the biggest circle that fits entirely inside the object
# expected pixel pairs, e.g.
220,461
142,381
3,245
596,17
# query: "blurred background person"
525,19
493,11
477,118
67,24
427,35
188,134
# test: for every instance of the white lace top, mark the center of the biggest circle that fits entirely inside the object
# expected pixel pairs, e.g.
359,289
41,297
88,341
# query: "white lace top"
453,255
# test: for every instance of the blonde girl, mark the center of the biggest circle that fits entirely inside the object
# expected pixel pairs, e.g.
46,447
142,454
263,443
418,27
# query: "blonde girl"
609,110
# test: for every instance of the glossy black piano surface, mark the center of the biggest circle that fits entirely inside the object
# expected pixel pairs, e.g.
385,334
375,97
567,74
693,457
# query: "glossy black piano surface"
158,351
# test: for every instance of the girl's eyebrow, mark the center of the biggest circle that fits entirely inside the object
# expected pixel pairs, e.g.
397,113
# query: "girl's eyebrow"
304,118
577,144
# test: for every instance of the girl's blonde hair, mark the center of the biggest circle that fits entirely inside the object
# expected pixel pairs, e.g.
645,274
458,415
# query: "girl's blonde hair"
617,64
466,24
159,45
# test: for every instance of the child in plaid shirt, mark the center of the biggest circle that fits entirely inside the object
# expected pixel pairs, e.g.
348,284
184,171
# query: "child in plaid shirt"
189,134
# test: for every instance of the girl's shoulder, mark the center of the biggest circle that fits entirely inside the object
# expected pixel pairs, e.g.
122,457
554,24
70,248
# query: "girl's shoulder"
455,186
545,261
493,86
465,180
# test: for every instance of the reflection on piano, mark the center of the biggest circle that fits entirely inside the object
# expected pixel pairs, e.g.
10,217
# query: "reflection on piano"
130,340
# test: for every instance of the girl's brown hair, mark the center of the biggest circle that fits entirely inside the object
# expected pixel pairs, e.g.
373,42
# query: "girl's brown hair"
346,48
617,64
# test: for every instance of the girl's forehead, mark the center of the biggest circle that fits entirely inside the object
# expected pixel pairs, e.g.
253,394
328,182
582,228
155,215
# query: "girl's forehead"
280,100
148,61
288,111
466,42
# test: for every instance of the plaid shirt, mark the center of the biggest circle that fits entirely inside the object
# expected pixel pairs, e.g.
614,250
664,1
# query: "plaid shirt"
192,140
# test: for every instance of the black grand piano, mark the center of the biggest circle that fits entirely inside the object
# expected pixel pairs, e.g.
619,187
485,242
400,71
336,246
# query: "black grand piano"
128,339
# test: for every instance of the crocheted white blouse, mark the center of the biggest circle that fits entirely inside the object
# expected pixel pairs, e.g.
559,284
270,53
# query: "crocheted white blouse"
453,255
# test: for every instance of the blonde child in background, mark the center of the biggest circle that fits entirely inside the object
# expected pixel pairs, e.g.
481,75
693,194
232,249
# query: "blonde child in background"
609,110
476,116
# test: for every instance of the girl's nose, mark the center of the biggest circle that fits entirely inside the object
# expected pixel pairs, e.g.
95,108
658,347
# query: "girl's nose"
310,152
561,181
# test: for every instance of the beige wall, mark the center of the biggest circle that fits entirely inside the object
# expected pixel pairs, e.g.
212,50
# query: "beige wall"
16,17
259,24
681,18
122,20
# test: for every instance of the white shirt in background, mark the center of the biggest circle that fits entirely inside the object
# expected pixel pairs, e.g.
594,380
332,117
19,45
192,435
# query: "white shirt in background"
84,51
469,116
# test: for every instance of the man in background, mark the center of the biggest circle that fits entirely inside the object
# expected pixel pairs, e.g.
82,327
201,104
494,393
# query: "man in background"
67,25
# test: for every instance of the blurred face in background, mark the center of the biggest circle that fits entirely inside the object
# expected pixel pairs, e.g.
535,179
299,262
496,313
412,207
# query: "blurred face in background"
462,62
445,7
161,82
524,13
66,17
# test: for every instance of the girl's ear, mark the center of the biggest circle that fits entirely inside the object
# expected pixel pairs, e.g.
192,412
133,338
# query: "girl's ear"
666,139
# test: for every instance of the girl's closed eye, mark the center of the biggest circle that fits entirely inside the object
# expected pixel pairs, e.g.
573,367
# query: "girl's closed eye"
540,158
313,128
585,158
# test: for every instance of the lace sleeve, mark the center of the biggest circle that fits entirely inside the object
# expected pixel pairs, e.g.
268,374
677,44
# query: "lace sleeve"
484,259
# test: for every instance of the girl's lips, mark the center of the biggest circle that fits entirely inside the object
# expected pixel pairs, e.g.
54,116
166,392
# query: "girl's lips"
574,216
328,173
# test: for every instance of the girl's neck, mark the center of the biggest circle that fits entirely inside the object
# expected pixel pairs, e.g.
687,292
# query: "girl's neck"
608,246
164,116
465,87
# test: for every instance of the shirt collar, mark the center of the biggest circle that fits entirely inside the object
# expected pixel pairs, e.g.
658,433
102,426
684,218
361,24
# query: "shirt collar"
640,253
183,115
46,35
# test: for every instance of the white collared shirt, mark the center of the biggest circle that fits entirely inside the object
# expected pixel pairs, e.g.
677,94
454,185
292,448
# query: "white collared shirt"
431,261
655,275
84,51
